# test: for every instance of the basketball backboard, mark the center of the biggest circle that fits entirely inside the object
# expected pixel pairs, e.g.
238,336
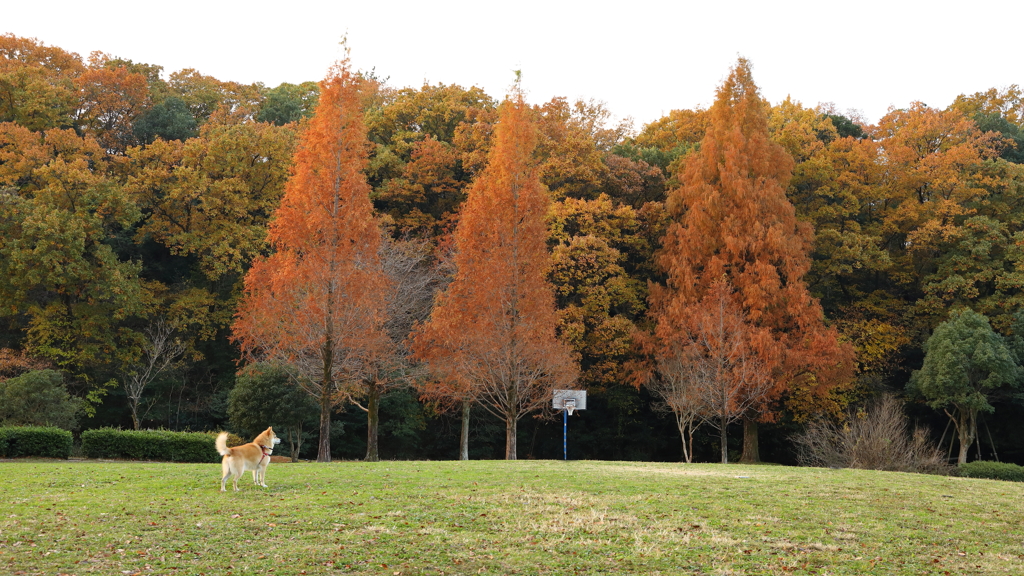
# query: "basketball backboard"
560,396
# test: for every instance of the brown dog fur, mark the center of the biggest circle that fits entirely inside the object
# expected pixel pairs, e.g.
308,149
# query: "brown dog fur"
252,456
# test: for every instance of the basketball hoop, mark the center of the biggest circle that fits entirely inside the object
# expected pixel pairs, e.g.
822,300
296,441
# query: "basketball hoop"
568,401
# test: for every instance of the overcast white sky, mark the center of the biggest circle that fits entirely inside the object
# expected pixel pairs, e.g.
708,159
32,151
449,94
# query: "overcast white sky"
641,58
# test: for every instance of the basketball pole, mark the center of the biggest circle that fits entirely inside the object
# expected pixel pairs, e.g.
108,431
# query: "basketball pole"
565,433
568,401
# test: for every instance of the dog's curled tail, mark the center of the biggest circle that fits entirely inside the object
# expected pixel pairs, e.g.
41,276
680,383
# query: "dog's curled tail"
222,444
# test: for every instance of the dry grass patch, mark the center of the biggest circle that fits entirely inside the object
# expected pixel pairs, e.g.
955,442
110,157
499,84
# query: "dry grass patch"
680,469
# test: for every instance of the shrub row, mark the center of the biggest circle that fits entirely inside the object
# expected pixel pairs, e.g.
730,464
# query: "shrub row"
161,445
47,442
993,470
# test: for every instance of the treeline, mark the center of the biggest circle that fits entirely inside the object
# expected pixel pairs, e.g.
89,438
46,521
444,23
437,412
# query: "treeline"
132,204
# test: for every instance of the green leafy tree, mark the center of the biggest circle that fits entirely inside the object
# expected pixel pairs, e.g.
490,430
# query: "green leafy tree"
965,363
265,396
846,127
979,266
39,398
170,120
289,103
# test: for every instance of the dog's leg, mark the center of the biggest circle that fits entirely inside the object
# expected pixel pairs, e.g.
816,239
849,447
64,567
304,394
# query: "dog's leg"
236,473
225,471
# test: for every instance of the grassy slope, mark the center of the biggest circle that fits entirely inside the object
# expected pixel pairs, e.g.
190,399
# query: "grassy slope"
495,517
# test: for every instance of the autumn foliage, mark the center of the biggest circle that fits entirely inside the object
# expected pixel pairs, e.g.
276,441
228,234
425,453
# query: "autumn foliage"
317,303
491,337
715,365
734,224
132,196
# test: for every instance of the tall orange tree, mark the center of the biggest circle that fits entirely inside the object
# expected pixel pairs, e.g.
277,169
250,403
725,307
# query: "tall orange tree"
733,223
491,336
317,304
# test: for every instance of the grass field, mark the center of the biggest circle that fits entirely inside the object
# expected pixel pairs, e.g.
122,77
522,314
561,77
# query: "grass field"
496,517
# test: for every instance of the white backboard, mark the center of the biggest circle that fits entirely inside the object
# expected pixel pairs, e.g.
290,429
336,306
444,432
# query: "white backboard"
560,396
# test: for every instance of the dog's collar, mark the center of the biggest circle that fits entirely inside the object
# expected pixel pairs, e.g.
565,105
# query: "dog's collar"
266,452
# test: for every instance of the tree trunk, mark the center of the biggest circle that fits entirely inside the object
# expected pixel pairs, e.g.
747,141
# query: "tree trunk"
372,421
682,424
464,439
324,451
135,413
510,437
968,430
295,441
724,439
751,451
965,445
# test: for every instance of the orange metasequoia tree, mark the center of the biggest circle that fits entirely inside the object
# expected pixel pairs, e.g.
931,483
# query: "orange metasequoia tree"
734,224
491,336
317,304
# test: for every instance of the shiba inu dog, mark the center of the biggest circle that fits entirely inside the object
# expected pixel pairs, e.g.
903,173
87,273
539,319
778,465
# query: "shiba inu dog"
252,456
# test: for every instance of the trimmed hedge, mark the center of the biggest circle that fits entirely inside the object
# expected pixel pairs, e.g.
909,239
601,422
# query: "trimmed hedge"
992,471
161,445
46,442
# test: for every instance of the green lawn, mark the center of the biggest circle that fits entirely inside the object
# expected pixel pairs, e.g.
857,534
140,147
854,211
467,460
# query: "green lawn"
496,517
